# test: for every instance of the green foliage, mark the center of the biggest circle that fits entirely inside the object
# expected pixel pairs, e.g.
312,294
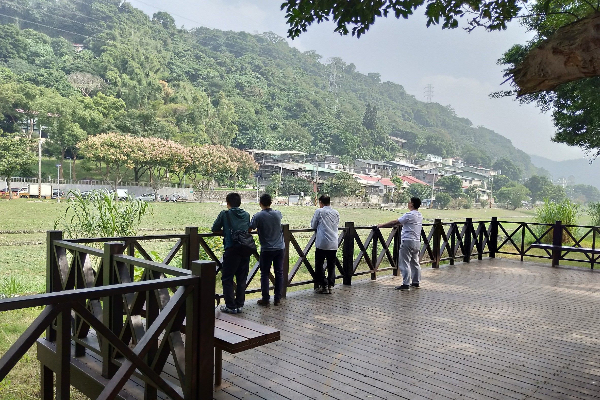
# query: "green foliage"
289,185
400,196
11,286
209,87
513,196
342,185
15,157
565,211
100,215
583,193
508,168
360,15
594,213
442,200
419,190
542,188
500,181
452,185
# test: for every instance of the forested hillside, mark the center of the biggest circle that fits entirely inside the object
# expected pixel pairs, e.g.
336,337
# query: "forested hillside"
146,77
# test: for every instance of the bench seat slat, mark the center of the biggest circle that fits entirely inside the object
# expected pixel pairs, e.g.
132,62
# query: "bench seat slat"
565,248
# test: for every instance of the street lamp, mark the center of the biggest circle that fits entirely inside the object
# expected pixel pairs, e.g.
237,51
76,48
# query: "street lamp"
58,175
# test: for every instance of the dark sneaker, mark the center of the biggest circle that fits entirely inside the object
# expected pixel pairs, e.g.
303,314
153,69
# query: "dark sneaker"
317,289
263,302
329,289
276,302
402,287
228,310
415,285
240,310
324,290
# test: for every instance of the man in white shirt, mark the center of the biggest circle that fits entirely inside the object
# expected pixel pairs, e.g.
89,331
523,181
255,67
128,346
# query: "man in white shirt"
325,221
412,224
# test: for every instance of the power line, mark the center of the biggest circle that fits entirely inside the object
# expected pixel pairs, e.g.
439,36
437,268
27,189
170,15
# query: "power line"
46,26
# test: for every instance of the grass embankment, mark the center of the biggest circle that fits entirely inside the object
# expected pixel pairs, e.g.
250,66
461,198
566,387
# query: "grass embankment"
23,226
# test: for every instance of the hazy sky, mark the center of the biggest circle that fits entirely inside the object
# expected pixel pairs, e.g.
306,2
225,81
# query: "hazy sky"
460,66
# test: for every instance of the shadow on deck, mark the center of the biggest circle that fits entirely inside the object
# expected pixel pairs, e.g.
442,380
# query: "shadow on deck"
498,329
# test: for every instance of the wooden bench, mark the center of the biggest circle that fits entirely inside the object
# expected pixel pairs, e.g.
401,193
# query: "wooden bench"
557,250
234,335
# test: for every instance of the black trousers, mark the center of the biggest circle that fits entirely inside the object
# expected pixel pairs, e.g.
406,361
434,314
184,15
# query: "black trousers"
267,258
234,265
320,256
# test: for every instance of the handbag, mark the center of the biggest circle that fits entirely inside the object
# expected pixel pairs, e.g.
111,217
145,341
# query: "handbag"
243,240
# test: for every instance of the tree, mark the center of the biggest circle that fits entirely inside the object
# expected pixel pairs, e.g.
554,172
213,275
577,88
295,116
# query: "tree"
113,153
513,196
542,188
500,181
508,168
419,190
452,185
442,200
493,15
289,185
15,157
342,185
584,193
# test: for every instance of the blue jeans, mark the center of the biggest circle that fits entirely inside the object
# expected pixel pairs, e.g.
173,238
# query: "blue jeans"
234,265
267,258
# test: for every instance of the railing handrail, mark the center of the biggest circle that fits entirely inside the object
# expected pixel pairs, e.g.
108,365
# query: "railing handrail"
69,296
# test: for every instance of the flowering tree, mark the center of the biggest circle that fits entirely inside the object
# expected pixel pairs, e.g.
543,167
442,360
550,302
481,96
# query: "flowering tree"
113,153
205,163
243,165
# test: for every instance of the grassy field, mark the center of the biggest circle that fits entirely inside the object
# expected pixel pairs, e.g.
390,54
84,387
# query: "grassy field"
23,224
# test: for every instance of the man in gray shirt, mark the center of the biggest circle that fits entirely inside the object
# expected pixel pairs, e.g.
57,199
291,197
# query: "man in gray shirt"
272,248
412,224
325,221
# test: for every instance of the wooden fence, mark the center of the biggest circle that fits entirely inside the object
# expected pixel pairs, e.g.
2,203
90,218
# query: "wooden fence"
129,296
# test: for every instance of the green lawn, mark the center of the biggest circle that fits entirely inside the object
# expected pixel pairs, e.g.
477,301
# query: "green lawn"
23,224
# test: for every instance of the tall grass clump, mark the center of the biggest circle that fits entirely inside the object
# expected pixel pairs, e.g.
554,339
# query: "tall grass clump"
101,215
565,211
594,213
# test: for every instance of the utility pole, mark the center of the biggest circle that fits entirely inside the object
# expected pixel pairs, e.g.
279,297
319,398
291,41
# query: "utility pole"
429,92
58,180
40,163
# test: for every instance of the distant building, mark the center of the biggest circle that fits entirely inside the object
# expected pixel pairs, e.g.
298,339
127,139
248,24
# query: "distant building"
375,185
434,158
78,47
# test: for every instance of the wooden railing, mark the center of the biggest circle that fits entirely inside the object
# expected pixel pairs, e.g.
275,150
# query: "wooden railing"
128,312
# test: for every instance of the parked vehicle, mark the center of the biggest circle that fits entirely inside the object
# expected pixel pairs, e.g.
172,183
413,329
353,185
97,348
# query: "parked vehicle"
146,197
173,197
56,193
46,190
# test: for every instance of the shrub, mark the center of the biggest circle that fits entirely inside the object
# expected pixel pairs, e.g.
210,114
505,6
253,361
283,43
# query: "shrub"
565,211
442,200
594,213
100,215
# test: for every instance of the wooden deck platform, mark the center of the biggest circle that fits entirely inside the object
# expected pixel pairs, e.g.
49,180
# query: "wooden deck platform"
492,329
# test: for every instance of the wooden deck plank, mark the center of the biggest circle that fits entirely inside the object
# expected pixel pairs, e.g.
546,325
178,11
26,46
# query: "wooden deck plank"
496,329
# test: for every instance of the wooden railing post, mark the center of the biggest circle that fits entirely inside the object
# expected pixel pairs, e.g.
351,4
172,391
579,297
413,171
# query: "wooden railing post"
63,354
112,307
493,241
200,333
396,253
467,240
52,275
374,255
436,245
191,249
286,259
480,228
452,238
557,232
348,253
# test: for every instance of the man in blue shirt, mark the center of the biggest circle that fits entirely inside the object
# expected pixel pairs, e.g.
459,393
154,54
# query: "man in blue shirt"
235,263
272,248
412,224
325,221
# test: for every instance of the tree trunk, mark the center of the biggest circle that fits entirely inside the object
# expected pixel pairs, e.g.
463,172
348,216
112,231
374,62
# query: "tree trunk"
572,53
